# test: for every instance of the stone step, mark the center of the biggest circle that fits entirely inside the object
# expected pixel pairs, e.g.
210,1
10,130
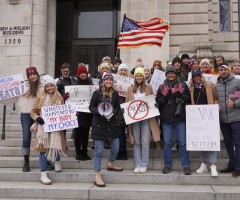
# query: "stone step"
126,176
71,163
118,191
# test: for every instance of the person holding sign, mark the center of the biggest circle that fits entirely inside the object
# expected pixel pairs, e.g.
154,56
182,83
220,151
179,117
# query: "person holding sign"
84,120
104,106
49,144
172,97
203,92
229,117
140,131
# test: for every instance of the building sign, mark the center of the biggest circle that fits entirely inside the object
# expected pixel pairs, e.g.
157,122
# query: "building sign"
14,30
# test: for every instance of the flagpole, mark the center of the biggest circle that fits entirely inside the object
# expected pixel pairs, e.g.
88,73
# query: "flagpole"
121,31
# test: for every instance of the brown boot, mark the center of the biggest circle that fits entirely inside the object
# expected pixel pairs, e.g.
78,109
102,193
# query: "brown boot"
112,167
98,180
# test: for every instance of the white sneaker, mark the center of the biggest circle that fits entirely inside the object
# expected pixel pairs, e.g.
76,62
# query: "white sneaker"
44,179
136,170
143,170
58,167
202,169
214,170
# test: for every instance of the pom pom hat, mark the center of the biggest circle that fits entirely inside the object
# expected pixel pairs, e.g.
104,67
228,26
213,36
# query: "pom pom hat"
139,63
82,69
107,75
48,79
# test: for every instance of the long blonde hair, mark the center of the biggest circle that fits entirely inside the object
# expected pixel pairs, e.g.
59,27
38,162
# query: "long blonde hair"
202,79
109,94
143,86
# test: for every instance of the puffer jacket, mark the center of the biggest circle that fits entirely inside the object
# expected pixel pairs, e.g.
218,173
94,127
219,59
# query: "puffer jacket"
223,87
119,117
102,129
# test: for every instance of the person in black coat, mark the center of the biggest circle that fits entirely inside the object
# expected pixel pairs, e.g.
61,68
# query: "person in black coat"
104,125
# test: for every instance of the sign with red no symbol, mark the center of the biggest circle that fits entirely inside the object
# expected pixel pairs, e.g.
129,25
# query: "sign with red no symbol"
141,109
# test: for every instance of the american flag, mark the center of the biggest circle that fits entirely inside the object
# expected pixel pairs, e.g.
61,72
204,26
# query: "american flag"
234,94
178,88
136,33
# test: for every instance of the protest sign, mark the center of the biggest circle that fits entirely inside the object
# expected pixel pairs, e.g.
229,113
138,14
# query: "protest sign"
202,126
140,109
80,95
95,82
121,84
237,76
157,79
209,77
59,117
11,86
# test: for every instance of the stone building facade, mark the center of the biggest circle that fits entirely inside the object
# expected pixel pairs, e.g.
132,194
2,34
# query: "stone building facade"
28,32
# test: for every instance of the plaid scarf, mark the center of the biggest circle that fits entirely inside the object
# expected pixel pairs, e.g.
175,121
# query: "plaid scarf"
198,85
51,141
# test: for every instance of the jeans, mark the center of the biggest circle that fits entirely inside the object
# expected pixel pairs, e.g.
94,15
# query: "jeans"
26,122
141,133
98,152
231,135
212,156
122,137
43,160
180,129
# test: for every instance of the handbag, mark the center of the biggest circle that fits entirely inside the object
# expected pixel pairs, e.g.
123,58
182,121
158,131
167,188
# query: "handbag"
34,127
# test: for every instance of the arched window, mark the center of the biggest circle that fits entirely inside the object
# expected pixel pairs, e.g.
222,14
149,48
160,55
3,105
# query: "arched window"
224,15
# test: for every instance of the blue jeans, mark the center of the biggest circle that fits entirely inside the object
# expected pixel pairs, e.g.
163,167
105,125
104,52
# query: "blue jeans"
141,133
212,156
98,152
26,122
43,160
231,135
122,137
180,129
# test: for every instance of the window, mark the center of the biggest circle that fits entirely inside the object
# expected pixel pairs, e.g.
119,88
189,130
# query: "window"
224,15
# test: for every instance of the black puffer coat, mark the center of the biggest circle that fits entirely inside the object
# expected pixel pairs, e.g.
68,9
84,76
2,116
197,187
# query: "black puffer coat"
119,117
103,129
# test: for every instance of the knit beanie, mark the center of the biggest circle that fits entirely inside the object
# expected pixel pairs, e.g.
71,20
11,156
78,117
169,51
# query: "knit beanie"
117,60
107,75
157,62
139,70
176,59
82,69
171,69
185,56
139,63
48,79
105,65
205,60
31,70
106,58
122,66
223,66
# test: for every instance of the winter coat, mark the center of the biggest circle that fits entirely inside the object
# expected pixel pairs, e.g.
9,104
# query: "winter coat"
62,82
223,87
35,113
167,105
152,121
102,129
119,117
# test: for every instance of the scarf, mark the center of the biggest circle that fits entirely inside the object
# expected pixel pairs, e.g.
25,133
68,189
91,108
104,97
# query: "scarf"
198,85
51,141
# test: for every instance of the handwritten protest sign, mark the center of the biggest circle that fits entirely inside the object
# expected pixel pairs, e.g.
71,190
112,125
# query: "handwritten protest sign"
209,77
202,125
237,76
11,86
95,82
157,79
122,83
80,95
141,109
59,117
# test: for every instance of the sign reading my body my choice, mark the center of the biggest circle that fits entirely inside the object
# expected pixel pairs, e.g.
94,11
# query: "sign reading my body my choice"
11,86
202,125
59,117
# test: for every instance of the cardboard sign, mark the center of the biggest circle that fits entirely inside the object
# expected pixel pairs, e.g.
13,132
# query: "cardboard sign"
12,86
202,126
80,95
59,117
140,109
157,79
121,84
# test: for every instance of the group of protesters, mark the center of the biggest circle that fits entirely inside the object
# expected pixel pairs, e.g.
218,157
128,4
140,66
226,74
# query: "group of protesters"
108,131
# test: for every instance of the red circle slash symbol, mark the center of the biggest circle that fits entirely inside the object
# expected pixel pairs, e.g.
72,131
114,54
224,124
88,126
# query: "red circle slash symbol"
144,110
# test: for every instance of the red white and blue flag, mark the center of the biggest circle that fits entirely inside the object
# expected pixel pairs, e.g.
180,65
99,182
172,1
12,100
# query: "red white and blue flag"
234,94
136,33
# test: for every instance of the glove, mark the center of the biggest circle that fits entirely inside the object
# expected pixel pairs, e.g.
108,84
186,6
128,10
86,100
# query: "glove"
108,117
65,96
40,120
122,110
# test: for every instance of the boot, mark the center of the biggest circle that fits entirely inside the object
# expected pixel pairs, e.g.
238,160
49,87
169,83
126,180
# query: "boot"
112,167
124,155
80,156
119,155
87,157
202,169
98,180
49,166
44,178
58,167
26,167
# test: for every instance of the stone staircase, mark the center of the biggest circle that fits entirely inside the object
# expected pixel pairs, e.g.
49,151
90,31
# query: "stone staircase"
76,179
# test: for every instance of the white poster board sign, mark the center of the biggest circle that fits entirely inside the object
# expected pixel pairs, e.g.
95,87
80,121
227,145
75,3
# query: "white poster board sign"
138,110
157,79
209,77
80,95
121,84
59,117
237,76
202,126
95,82
12,86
